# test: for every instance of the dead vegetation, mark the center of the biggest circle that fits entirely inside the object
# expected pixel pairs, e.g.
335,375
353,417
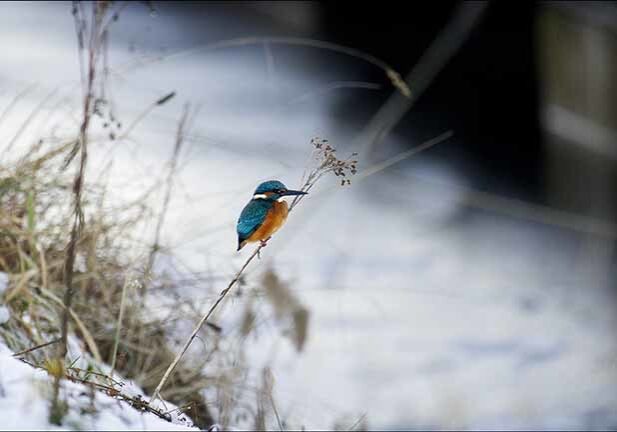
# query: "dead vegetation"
78,272
64,249
33,232
108,321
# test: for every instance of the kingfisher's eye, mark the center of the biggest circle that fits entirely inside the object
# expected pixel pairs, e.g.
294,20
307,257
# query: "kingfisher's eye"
279,191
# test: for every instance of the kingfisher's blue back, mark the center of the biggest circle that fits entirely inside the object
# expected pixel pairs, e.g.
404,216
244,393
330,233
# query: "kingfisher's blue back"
251,218
264,214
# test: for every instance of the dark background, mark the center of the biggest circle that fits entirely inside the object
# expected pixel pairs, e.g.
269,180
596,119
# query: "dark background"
487,94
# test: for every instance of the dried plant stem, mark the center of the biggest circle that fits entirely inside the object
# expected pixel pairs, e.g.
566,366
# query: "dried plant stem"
28,121
180,134
145,113
127,280
390,72
276,412
21,95
358,422
135,402
380,166
434,59
88,338
78,183
29,350
77,219
157,392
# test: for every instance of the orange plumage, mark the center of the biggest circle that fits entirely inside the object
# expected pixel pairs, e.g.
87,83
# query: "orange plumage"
274,220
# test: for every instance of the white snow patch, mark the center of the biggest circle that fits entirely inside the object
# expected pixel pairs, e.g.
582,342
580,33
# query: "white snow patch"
24,403
4,282
4,314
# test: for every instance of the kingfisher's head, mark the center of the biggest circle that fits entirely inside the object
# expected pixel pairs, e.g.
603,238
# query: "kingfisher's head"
273,190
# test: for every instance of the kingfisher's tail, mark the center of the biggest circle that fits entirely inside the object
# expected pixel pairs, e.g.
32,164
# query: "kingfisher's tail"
241,244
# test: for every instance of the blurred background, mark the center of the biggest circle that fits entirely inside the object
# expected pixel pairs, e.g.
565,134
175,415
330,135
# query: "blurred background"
470,285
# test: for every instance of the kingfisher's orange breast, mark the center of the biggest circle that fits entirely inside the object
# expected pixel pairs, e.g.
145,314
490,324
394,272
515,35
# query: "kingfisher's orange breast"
274,220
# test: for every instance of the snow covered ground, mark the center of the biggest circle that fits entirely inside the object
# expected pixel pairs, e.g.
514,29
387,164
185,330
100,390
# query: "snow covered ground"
424,312
24,403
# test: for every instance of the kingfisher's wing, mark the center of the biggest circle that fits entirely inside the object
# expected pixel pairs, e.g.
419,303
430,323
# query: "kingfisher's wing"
251,218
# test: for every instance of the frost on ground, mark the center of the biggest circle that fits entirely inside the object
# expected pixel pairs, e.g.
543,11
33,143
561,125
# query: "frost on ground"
24,403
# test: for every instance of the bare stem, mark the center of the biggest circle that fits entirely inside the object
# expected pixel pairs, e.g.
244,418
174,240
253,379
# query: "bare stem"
114,356
391,74
56,412
180,134
157,392
29,350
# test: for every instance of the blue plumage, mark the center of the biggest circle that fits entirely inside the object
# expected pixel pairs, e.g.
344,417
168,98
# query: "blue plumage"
256,211
252,217
270,186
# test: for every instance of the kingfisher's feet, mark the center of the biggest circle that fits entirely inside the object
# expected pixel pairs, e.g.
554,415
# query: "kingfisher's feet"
262,244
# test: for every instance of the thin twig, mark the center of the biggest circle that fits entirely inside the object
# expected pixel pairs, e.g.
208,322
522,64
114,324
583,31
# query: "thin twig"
16,99
357,422
145,113
391,73
26,351
98,10
169,185
436,56
119,323
28,121
157,392
88,338
276,413
136,402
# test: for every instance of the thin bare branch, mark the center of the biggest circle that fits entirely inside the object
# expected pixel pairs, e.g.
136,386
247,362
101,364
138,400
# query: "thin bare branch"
169,186
29,350
420,77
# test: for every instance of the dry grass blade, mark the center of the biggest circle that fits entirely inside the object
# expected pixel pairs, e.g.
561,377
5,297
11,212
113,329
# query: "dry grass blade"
28,121
390,72
287,308
99,10
42,209
157,392
419,78
114,355
14,101
88,338
145,113
180,134
29,350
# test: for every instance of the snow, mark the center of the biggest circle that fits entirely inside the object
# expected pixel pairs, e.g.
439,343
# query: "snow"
4,314
4,282
24,403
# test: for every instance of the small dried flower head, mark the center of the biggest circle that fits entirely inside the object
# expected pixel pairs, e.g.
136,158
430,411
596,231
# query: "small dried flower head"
327,161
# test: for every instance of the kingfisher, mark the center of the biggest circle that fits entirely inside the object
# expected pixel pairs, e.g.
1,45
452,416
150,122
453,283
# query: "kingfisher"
265,213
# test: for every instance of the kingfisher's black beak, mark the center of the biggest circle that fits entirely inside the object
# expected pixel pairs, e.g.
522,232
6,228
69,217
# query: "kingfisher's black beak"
293,192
